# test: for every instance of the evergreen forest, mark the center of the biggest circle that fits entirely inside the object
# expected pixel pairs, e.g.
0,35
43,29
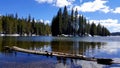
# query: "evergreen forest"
11,24
75,24
67,23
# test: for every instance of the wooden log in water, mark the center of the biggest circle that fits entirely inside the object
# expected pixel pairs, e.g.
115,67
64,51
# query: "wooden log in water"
58,54
64,55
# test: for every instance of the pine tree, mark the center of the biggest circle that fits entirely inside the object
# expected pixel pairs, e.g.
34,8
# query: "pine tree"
47,29
88,28
105,32
54,26
93,29
28,24
99,29
81,25
65,20
33,26
71,22
60,25
84,26
76,22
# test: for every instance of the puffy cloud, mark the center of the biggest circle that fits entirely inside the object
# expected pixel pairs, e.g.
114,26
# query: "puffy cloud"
90,6
96,5
117,10
58,3
62,3
112,24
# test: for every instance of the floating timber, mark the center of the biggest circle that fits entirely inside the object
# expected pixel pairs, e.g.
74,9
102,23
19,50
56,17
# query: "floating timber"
62,55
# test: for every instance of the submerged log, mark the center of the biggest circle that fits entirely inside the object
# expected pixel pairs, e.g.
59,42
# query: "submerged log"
62,55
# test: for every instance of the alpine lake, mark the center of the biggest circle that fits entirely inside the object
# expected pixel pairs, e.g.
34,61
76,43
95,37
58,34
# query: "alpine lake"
98,47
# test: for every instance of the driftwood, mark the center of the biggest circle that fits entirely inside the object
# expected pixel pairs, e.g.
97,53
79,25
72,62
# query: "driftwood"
63,55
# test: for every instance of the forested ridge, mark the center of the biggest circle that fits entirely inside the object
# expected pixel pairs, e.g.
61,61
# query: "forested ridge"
75,24
11,24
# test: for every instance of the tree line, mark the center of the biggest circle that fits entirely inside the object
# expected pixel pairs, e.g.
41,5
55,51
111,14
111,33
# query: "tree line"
72,24
11,24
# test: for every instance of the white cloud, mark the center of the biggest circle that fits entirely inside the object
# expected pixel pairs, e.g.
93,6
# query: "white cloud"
117,10
41,20
96,5
62,3
45,21
90,6
57,3
112,24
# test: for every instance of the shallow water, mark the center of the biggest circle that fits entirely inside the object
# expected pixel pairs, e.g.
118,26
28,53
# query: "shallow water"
99,47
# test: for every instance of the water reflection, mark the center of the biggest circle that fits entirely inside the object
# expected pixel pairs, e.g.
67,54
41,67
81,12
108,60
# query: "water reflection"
72,47
75,47
90,49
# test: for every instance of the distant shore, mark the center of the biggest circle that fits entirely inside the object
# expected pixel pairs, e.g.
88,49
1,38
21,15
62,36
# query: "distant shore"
21,35
63,35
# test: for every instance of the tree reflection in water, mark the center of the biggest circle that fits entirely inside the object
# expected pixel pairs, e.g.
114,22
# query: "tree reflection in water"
76,47
72,47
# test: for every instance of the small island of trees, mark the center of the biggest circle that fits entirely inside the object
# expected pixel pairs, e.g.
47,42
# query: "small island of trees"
72,24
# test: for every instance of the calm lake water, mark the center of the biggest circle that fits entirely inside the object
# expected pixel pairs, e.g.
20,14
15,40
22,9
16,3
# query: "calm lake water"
99,47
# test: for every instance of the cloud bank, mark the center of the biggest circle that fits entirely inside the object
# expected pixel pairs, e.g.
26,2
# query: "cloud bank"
92,6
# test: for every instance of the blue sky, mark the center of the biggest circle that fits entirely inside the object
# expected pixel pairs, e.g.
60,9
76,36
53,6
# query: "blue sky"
106,12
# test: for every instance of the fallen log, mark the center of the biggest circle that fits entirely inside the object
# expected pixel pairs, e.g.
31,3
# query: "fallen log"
63,55
58,54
